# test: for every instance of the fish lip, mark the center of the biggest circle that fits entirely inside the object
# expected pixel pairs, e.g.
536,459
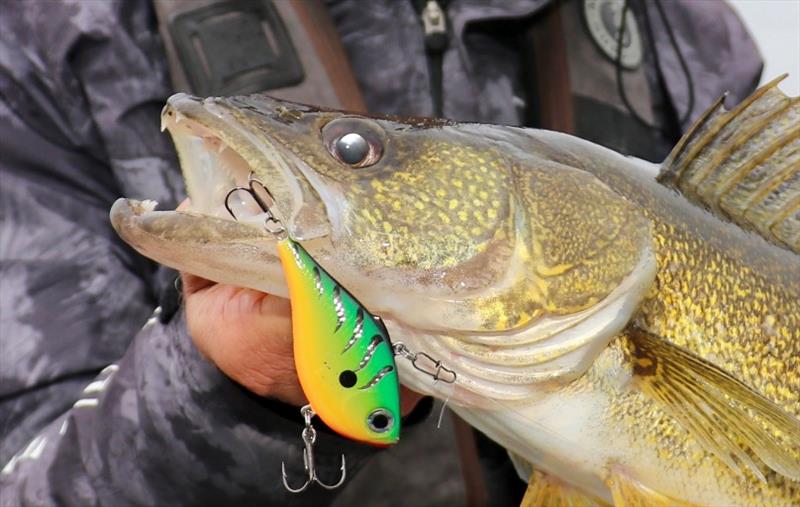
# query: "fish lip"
189,119
134,220
218,249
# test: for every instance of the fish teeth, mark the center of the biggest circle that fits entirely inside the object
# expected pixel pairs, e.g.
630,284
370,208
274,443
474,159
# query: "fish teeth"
148,205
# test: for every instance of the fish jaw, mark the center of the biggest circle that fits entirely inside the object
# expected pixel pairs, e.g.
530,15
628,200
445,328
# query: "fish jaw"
219,249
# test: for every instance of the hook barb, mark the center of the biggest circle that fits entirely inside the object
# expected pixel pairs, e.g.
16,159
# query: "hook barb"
286,481
342,470
309,437
255,188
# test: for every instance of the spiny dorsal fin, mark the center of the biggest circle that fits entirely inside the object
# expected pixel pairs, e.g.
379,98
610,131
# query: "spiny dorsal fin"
744,164
737,424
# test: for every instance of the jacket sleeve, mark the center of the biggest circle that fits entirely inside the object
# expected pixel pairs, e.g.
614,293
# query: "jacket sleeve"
81,85
162,426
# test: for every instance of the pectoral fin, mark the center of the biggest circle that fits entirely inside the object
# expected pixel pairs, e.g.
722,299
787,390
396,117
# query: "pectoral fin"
628,492
547,491
740,426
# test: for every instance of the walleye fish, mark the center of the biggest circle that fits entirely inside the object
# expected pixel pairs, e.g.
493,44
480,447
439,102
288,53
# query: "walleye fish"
630,330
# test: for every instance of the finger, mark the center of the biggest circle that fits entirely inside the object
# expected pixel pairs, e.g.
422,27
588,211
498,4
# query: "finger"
408,400
275,305
184,204
193,283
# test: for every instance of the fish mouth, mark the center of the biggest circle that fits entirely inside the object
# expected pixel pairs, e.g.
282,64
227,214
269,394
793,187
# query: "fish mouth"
220,149
219,152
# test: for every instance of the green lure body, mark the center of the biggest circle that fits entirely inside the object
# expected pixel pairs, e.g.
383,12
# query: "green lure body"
344,359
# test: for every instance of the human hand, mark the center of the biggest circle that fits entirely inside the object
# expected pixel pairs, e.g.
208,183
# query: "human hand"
246,333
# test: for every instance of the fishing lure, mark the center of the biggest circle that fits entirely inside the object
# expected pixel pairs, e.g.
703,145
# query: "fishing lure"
343,356
342,353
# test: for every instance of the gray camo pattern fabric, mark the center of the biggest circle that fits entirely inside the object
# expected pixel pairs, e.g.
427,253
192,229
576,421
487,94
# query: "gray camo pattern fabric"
100,402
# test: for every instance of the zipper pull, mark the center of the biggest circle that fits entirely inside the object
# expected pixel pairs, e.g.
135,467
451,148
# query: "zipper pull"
435,26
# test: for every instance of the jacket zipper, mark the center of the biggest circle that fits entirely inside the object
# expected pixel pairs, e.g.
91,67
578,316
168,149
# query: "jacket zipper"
434,24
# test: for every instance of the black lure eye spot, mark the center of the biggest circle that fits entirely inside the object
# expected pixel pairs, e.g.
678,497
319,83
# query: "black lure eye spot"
348,378
380,421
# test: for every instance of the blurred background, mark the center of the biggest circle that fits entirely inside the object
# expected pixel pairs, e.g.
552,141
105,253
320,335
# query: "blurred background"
775,25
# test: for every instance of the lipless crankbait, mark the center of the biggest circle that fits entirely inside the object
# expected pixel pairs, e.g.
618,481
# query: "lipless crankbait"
343,356
342,353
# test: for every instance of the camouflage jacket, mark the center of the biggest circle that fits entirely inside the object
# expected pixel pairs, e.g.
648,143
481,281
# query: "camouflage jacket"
96,409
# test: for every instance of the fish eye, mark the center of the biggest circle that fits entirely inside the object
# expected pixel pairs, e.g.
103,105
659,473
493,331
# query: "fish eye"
355,142
351,148
380,421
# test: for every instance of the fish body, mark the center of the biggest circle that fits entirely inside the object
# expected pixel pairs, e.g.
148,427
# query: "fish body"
722,293
608,329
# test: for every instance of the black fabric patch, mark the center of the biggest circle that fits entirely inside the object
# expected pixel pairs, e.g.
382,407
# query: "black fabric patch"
592,120
225,48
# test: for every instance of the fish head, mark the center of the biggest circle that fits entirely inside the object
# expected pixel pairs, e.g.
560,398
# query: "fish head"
393,216
469,247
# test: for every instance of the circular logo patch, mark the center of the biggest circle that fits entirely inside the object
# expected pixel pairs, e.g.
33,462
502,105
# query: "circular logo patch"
603,19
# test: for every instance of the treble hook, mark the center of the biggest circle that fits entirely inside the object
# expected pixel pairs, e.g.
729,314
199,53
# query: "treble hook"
254,188
309,437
